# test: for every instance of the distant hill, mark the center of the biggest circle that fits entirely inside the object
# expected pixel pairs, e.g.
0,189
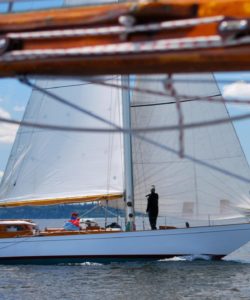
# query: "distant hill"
62,211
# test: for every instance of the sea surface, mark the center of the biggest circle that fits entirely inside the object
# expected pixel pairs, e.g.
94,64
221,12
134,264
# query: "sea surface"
175,278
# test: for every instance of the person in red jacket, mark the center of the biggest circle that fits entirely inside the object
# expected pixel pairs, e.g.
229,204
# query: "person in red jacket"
73,223
75,220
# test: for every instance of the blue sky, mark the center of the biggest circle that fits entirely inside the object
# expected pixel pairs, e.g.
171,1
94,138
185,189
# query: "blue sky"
14,97
31,5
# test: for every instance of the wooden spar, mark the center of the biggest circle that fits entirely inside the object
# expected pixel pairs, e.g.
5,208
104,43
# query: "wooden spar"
52,52
96,15
109,13
62,200
193,61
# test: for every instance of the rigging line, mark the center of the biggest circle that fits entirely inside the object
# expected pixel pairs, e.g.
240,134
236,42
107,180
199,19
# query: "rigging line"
90,210
164,94
164,147
115,30
121,130
198,80
82,82
203,163
170,87
106,209
166,103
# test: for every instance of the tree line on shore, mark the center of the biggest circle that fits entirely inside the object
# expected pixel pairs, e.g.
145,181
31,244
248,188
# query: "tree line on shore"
63,211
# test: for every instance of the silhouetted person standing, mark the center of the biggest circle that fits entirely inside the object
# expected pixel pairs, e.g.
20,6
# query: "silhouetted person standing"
152,208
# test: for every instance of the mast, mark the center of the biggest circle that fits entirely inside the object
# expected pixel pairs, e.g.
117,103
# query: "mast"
128,165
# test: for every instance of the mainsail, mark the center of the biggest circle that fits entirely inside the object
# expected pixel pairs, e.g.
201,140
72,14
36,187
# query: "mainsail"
188,190
65,166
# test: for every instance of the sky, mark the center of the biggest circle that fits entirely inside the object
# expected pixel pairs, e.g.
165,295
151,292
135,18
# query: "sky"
14,97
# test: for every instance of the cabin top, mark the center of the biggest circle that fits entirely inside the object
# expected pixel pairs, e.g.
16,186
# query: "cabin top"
17,222
17,228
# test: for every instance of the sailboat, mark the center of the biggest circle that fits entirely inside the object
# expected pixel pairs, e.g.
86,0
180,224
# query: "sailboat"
208,184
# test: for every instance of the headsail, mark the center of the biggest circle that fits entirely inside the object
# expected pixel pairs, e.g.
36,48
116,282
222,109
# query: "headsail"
188,190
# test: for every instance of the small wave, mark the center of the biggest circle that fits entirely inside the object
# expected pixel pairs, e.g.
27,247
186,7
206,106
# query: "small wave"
188,258
198,257
176,258
88,263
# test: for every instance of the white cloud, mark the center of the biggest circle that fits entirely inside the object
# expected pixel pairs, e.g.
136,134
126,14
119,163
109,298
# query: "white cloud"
4,113
7,131
237,90
19,108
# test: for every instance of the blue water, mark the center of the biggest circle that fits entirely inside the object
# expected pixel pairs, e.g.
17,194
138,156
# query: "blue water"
158,280
175,278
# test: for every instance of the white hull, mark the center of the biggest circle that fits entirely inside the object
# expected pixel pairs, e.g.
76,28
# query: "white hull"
217,241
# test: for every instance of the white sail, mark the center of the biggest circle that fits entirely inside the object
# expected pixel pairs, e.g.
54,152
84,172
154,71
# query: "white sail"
46,164
186,189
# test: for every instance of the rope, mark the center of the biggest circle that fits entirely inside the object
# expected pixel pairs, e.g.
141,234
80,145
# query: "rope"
164,45
114,30
133,131
169,86
90,210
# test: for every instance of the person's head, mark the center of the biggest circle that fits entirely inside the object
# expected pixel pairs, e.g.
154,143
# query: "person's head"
152,189
74,215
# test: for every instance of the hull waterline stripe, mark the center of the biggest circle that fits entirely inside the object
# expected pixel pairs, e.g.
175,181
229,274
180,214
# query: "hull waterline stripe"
106,257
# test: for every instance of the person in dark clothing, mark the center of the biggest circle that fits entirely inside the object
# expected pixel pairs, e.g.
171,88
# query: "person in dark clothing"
152,208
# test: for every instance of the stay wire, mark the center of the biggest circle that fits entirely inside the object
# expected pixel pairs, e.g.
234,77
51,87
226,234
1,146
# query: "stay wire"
120,130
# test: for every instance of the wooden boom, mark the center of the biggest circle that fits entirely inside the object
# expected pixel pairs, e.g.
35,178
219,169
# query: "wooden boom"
164,36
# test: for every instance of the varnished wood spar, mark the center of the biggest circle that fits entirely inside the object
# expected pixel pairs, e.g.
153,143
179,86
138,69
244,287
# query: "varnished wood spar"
94,15
233,59
62,200
144,11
